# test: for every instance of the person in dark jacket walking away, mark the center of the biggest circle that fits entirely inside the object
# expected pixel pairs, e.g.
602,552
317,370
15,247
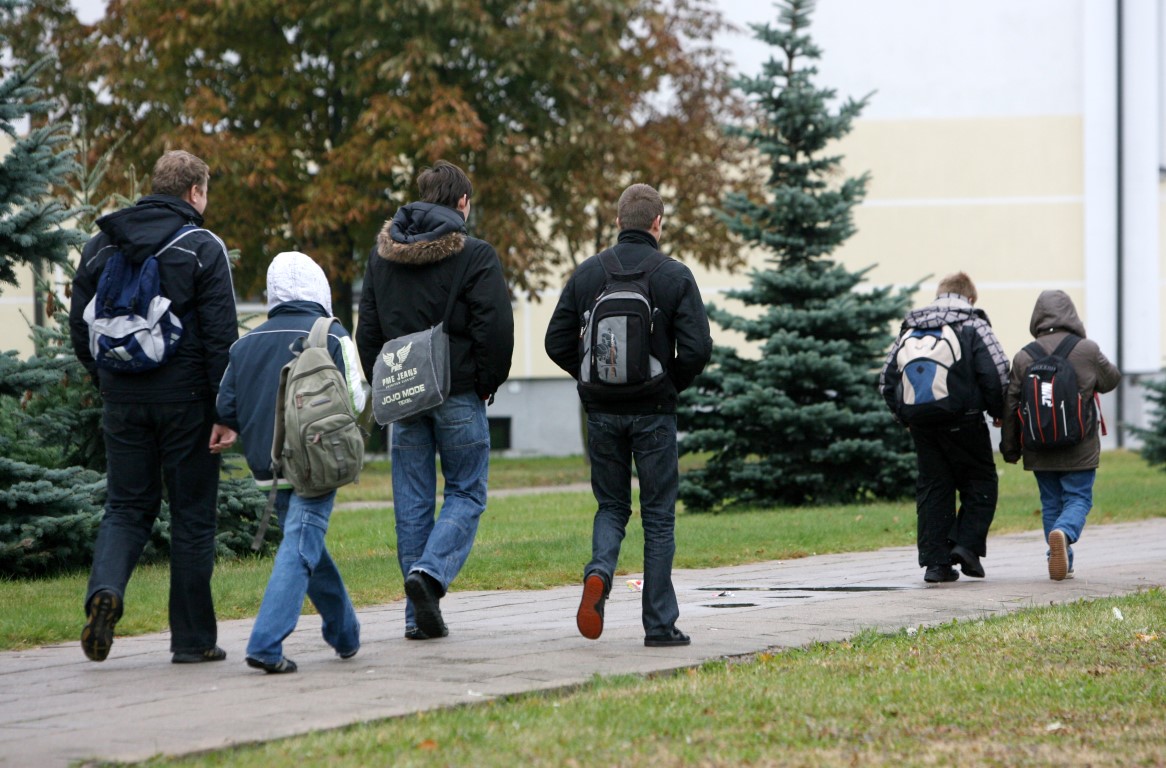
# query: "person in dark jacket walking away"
639,427
157,423
1064,474
297,295
954,452
411,272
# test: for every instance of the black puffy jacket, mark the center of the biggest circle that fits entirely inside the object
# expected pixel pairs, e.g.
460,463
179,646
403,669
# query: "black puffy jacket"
681,340
194,274
410,272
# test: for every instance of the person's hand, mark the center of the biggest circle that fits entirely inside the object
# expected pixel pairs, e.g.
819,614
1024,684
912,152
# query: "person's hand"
222,438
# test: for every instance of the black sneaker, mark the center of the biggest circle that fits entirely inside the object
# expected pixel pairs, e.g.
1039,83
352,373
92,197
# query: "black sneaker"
198,657
415,633
97,636
348,654
589,619
282,667
422,590
939,573
669,639
968,561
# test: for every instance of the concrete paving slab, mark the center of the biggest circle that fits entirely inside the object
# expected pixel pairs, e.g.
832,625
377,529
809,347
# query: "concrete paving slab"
57,708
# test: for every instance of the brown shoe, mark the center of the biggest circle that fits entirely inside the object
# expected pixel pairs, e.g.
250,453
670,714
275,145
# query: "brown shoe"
97,636
589,619
1058,555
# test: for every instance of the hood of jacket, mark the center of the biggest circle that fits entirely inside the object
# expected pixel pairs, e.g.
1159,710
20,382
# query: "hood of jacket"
140,230
294,276
422,233
947,308
1054,311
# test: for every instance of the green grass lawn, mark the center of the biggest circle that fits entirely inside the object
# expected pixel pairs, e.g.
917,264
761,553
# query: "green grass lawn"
1070,685
540,541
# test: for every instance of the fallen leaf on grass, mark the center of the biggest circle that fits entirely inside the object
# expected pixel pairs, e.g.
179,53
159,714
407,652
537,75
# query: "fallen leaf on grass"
1147,638
428,744
1055,726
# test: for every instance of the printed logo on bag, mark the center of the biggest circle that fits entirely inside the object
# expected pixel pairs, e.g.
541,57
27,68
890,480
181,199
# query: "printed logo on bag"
1052,411
936,382
131,326
616,359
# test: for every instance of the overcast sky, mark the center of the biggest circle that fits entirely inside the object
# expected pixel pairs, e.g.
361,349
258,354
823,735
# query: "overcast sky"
746,53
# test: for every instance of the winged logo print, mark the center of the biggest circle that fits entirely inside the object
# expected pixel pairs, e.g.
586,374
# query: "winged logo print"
403,353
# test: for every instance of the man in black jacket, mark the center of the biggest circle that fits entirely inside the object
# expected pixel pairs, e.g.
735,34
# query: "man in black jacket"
623,426
157,423
411,272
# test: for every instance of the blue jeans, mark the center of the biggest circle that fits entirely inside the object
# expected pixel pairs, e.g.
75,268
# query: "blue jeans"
1065,500
613,441
439,546
303,566
148,446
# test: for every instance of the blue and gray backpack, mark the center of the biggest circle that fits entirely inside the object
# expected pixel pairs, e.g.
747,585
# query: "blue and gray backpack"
131,326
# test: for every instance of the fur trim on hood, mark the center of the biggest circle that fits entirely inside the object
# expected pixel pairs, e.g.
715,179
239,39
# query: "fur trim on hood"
422,233
294,276
1054,311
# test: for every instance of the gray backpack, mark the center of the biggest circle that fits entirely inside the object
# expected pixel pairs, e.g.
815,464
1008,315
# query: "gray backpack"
318,444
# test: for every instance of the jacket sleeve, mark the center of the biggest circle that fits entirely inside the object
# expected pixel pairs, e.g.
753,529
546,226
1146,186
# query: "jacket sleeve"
84,287
215,306
491,324
888,379
226,402
690,328
991,368
1108,376
1010,423
562,337
369,336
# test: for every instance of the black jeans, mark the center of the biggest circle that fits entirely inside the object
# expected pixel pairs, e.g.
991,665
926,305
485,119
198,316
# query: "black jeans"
613,442
952,458
148,445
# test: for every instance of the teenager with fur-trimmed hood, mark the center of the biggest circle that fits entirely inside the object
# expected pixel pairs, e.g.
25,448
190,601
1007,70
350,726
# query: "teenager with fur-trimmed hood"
420,256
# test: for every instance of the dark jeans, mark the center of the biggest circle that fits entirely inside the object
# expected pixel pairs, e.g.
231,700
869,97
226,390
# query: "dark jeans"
954,458
148,445
613,442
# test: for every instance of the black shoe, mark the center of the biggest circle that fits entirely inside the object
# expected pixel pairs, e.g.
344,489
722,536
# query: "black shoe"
938,573
422,590
667,640
348,654
589,619
198,657
415,633
97,636
968,561
282,667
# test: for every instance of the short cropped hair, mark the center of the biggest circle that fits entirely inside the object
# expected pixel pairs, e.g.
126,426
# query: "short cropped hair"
444,184
958,283
176,172
639,205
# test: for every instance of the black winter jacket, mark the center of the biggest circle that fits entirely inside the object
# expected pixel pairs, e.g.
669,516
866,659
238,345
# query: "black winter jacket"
195,275
410,272
681,339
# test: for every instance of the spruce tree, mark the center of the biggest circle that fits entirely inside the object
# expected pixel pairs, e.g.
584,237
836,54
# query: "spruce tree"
794,417
1153,436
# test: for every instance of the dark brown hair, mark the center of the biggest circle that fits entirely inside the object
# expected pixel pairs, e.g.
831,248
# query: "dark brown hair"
639,205
444,184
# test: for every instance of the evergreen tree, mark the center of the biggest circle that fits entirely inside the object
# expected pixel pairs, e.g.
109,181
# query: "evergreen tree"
1153,436
32,219
795,418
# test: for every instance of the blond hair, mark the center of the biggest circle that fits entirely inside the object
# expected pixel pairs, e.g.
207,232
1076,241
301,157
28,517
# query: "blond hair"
176,172
958,283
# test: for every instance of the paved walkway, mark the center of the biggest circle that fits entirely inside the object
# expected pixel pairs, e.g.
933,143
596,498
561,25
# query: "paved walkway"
57,708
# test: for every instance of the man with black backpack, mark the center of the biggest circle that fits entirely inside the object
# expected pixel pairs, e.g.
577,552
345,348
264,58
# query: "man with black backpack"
1054,420
630,327
945,369
158,370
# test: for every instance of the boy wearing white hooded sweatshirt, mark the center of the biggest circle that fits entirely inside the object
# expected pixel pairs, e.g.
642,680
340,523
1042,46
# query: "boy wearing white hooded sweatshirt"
297,294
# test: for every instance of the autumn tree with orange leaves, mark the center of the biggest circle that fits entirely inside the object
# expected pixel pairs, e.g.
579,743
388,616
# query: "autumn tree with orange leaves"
316,116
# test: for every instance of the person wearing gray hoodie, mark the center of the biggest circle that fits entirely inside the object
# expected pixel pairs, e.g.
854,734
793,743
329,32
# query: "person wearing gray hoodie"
1064,474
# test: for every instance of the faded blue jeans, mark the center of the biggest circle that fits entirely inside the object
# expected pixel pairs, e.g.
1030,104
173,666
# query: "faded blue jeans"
1065,500
440,545
303,567
613,442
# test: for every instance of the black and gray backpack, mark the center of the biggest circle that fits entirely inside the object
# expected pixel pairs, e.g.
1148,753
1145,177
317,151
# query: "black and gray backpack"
616,356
